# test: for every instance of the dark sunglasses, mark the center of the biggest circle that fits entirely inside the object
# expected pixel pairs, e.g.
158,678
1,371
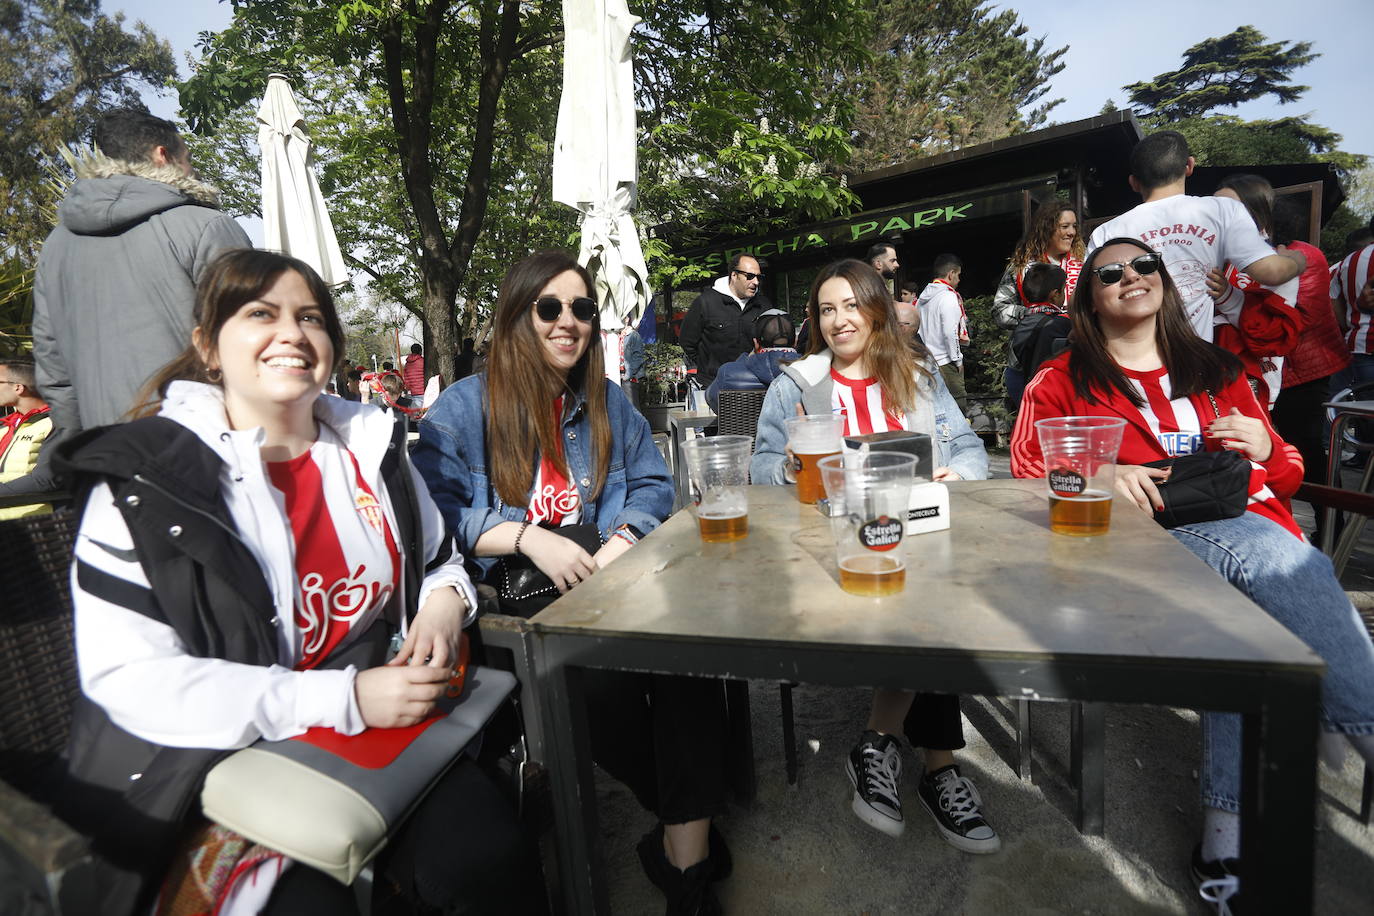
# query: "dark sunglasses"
549,308
747,275
1144,264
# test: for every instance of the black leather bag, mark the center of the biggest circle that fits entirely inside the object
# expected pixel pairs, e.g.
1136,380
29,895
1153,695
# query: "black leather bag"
1203,487
520,586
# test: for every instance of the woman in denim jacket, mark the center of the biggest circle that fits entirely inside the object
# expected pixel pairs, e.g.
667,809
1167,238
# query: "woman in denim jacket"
861,367
539,441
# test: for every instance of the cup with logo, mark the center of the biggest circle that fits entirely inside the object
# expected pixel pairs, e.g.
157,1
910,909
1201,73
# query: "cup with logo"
1080,471
811,438
867,496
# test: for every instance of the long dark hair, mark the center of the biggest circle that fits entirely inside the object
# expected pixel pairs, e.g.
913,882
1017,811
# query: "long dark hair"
1257,194
520,421
232,280
892,357
1193,364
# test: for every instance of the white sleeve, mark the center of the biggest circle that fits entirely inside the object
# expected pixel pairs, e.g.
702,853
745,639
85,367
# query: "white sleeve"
443,560
135,666
948,305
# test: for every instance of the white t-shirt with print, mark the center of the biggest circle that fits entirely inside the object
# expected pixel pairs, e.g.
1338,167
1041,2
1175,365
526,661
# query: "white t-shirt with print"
1195,235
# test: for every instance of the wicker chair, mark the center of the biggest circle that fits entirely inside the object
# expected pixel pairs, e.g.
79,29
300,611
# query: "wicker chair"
739,412
43,863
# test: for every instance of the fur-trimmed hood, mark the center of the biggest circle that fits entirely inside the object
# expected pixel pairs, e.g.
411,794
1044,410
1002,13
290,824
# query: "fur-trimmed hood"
111,194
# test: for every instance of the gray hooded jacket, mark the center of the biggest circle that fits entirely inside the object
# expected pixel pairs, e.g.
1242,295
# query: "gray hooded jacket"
115,284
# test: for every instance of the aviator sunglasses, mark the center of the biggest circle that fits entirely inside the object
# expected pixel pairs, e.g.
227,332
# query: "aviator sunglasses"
1143,264
549,308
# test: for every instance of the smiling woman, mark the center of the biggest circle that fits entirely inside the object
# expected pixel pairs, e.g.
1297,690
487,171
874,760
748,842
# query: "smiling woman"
244,560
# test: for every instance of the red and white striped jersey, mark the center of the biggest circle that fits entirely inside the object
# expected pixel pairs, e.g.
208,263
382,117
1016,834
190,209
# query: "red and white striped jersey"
860,402
347,564
1346,282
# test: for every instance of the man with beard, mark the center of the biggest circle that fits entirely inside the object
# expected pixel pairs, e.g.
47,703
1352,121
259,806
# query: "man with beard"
719,326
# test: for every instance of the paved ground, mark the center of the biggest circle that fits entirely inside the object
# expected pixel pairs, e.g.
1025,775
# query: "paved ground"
799,850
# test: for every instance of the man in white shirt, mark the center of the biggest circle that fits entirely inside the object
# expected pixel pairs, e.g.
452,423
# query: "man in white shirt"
1194,234
944,327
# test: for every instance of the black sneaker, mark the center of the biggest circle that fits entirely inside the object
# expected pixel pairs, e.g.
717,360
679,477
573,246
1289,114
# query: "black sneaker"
875,769
1218,883
953,802
688,891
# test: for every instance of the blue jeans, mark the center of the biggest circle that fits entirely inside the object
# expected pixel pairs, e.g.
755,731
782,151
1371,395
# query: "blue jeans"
1295,584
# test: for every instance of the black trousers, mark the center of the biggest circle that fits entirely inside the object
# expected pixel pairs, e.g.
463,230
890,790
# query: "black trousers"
1299,417
664,737
934,722
462,851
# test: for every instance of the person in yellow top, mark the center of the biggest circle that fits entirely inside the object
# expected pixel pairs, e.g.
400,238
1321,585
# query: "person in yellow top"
22,434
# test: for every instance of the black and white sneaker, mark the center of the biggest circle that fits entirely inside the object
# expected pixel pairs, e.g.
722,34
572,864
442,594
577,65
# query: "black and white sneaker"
953,802
875,768
1218,883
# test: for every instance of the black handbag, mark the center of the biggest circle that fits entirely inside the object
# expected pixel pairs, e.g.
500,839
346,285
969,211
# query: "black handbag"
1203,487
522,588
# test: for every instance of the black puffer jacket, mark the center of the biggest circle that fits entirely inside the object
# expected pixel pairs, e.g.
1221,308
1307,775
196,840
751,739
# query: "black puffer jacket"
130,795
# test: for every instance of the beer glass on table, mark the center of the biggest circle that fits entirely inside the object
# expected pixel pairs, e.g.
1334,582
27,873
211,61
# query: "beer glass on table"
811,438
867,497
718,473
1080,471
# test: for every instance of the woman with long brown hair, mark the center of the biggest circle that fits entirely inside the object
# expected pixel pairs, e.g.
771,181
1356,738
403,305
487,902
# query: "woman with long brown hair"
1053,238
523,453
862,367
1135,355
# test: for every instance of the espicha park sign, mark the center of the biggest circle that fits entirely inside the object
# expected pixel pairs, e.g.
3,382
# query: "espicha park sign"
863,228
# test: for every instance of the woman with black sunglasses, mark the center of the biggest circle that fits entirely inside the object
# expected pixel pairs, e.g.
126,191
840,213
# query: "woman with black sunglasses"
1134,354
518,457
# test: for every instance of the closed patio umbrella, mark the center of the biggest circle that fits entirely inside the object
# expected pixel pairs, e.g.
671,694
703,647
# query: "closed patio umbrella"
594,159
295,218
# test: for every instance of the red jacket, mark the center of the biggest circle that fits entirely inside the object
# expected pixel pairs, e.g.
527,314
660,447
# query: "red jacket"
1051,394
1321,350
413,374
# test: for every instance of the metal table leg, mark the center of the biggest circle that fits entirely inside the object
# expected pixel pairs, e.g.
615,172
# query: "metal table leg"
581,868
1087,736
1023,739
1279,798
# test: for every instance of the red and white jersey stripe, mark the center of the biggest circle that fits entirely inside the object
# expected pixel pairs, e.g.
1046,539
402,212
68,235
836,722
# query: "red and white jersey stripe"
1346,283
347,563
860,402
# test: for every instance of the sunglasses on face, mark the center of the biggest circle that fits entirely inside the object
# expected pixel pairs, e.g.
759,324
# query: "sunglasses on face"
550,308
747,275
1144,265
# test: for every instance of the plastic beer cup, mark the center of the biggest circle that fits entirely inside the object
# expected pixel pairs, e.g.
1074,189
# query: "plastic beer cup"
811,438
1080,471
718,474
867,497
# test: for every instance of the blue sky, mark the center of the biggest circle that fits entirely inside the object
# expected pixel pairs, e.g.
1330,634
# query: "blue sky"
1110,45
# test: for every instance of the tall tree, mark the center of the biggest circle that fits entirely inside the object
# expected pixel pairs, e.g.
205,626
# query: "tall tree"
1222,73
61,62
945,75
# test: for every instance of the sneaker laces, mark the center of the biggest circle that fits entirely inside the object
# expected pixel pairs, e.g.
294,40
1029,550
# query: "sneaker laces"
882,771
959,797
1219,891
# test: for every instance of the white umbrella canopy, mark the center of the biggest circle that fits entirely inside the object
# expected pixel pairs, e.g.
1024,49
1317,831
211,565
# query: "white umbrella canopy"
294,215
594,158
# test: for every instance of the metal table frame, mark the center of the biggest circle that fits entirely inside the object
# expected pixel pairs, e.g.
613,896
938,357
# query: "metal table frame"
1278,703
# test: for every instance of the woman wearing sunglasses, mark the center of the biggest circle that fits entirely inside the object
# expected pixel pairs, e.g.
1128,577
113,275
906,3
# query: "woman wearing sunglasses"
537,443
1134,355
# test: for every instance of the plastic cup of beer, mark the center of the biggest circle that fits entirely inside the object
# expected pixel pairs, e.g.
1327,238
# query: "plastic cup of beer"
867,497
811,438
1080,471
718,473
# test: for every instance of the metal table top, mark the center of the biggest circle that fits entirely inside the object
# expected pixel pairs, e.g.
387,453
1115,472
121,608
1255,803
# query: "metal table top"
996,585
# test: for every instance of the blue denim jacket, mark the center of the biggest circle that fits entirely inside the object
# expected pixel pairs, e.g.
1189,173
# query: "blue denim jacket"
808,383
452,457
